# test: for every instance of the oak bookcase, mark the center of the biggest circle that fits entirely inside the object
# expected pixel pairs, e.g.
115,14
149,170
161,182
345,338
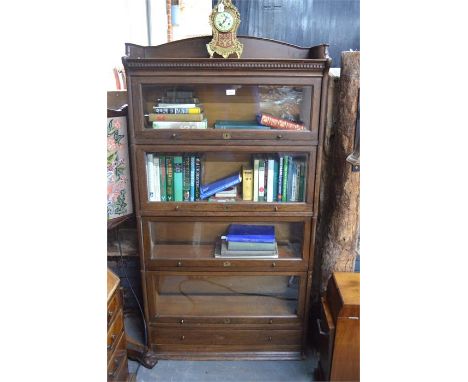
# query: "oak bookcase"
198,306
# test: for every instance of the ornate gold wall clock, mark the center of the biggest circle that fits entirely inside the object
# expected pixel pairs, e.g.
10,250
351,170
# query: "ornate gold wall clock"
224,21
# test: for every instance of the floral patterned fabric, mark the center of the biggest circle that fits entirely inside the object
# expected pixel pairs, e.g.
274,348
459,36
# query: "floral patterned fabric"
119,194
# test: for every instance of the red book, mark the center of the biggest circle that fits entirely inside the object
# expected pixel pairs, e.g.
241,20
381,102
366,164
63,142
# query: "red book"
278,123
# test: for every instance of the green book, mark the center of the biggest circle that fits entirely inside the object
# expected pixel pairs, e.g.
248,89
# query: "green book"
186,178
178,179
301,181
240,125
284,196
162,177
275,180
170,179
246,246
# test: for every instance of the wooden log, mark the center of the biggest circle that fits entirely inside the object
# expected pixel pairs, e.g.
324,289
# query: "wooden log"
338,221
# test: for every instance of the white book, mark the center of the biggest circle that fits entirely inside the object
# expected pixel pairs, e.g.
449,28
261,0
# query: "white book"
177,105
261,180
294,184
270,176
150,175
157,179
255,180
180,124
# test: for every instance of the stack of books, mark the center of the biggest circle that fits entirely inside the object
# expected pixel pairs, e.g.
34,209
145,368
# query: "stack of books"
244,241
173,177
178,110
275,179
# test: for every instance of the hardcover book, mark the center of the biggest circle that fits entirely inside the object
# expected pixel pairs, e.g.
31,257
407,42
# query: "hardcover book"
197,177
150,176
280,179
176,110
192,178
247,183
180,125
270,179
240,125
156,181
186,178
170,178
178,179
246,246
222,251
152,117
255,179
162,174
261,180
250,233
275,180
219,185
278,123
284,196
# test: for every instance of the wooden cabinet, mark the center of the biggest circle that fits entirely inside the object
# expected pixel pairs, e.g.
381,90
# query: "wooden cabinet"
117,363
200,306
339,329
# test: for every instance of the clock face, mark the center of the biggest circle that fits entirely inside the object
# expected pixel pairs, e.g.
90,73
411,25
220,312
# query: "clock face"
224,21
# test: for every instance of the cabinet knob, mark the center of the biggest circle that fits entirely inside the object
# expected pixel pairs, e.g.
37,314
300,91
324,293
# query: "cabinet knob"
273,264
182,338
174,135
181,321
179,263
279,136
276,208
269,338
270,322
177,208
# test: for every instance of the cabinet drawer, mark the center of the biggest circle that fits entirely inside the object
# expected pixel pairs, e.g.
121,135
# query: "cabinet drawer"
118,360
113,306
115,333
225,297
211,337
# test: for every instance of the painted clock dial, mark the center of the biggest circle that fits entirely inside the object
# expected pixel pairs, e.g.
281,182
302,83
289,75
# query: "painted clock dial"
224,21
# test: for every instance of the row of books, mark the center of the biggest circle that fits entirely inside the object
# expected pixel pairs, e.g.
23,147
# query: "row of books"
178,110
173,178
243,241
275,179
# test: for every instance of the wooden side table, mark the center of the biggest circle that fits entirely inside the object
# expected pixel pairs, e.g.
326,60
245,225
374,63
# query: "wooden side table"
339,329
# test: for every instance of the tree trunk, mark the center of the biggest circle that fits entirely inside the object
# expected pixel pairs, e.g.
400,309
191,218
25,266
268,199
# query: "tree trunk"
338,224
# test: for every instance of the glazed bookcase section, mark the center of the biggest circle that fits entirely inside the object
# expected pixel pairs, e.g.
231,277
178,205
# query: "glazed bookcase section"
221,298
194,241
224,179
172,111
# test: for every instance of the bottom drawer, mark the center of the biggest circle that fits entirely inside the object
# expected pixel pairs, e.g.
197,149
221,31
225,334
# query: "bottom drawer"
208,337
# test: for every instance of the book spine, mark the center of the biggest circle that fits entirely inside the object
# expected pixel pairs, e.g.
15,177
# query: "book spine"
270,179
247,183
302,182
275,180
176,110
152,117
162,175
261,180
179,100
176,105
180,125
220,182
294,185
241,246
255,180
150,176
197,177
170,178
278,123
178,179
179,94
186,177
285,179
229,183
280,178
289,179
157,184
192,178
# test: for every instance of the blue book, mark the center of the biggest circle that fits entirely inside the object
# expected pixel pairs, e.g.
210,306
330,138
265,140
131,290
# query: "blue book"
250,233
228,124
192,178
219,185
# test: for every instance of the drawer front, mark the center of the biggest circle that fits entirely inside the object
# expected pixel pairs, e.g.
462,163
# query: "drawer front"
113,306
211,337
115,333
117,365
326,330
225,298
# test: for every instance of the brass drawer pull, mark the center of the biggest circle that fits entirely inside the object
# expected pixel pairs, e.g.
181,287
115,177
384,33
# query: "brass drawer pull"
226,136
177,208
270,339
113,336
182,338
270,322
181,322
279,136
179,263
273,265
116,368
174,135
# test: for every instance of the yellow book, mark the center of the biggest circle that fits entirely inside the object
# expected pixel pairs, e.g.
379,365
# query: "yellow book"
247,183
